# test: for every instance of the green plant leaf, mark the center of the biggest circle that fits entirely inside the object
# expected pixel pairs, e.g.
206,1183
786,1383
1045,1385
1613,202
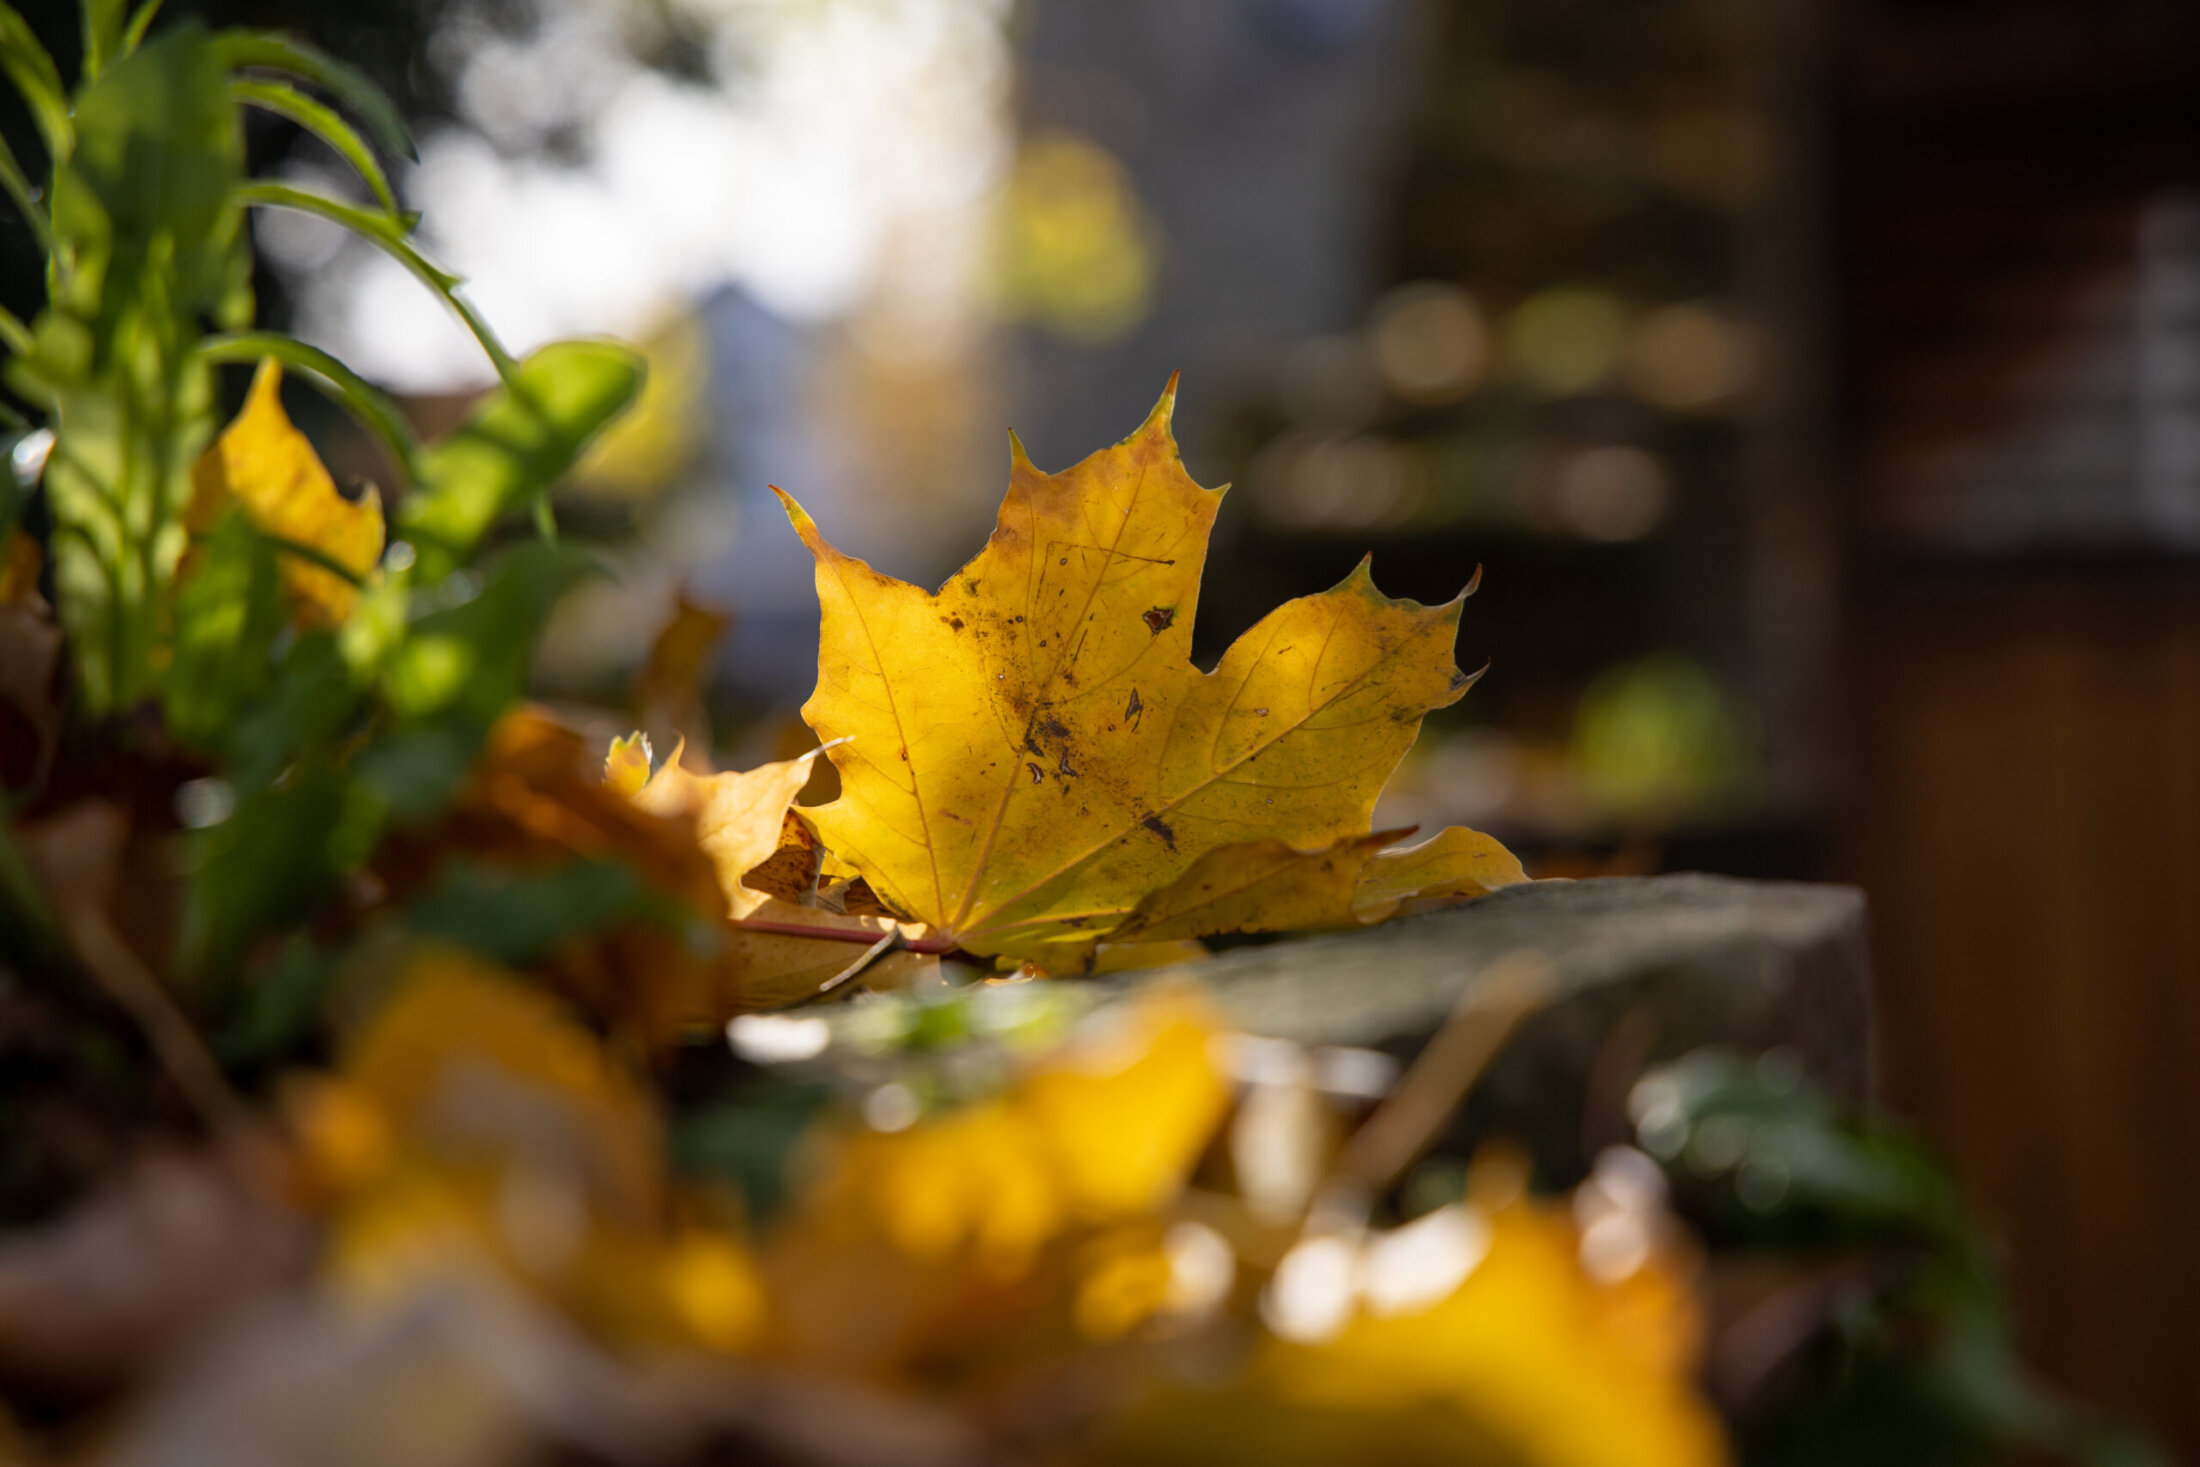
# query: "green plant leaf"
287,101
261,869
229,611
19,191
472,659
518,917
104,24
517,444
147,244
134,35
38,80
157,158
389,234
241,50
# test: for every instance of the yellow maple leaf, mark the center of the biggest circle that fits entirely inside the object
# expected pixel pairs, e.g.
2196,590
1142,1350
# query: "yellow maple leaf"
1258,886
1030,749
265,465
1451,865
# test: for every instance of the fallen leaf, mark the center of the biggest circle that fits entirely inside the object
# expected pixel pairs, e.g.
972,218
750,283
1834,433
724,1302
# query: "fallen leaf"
739,816
1031,750
1522,1356
940,1231
266,465
790,871
668,688
626,766
1258,886
464,1058
1453,865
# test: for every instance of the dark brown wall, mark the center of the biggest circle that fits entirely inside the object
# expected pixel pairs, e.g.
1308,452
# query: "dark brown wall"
2031,754
2026,670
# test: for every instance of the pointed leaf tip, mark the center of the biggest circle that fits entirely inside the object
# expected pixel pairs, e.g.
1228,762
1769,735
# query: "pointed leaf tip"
797,516
1017,457
1164,410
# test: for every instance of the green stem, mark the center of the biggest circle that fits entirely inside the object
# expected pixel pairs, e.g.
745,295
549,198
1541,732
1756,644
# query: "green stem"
18,187
134,35
32,70
387,235
13,333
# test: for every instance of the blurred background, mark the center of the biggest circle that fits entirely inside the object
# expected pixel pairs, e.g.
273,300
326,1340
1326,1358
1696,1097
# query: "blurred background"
1817,383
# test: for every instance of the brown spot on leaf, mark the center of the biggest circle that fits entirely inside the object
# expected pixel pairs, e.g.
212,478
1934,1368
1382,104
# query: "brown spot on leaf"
1160,618
1053,727
1134,711
1036,773
1062,767
1161,828
955,623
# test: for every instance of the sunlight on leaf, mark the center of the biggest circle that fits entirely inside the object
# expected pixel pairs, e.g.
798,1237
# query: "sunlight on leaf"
626,766
1527,1359
1031,751
1452,865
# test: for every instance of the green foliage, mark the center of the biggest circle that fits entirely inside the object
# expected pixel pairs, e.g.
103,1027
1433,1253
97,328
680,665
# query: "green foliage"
321,740
147,241
1917,1362
520,917
517,444
228,615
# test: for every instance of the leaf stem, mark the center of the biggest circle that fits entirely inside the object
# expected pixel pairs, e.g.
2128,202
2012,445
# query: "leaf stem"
932,945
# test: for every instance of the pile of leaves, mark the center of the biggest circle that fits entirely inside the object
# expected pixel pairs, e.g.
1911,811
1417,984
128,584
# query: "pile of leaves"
396,1074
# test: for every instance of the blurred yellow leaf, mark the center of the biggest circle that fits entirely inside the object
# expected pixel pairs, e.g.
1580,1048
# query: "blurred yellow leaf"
1527,1361
626,766
668,687
464,1057
912,1234
1031,750
266,465
473,1122
1126,1113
